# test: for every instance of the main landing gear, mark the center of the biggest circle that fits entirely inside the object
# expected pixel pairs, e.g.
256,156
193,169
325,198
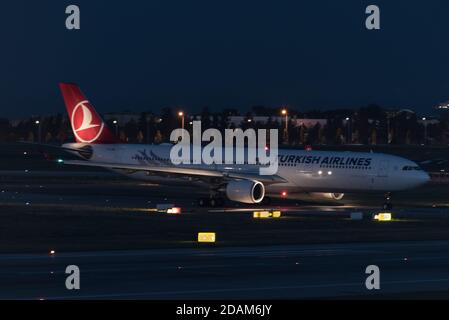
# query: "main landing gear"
211,202
387,204
266,201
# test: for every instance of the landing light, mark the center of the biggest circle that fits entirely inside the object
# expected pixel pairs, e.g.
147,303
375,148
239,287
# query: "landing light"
284,194
320,172
208,237
329,173
60,161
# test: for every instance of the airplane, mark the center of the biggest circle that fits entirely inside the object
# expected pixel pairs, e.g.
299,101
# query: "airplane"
321,174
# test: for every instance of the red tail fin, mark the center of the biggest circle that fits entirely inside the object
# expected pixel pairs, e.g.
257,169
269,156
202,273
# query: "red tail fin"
87,125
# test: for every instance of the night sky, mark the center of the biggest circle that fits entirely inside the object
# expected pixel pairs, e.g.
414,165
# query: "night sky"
144,55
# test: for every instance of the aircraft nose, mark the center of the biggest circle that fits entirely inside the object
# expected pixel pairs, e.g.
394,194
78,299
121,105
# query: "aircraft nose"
425,177
422,178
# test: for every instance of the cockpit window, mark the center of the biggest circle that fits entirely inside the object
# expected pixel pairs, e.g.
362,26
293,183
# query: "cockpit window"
411,168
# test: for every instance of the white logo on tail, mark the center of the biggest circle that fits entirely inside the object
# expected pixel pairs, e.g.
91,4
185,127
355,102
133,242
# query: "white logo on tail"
86,131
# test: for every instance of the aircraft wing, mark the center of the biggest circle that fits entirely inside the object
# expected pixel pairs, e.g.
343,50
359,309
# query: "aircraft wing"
47,149
181,171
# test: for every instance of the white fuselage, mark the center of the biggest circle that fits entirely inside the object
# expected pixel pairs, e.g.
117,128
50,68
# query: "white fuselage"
303,171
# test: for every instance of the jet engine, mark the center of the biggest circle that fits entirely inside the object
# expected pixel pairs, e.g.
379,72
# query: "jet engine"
245,191
328,196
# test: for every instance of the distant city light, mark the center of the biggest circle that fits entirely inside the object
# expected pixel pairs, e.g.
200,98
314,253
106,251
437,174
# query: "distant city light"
37,122
180,113
284,112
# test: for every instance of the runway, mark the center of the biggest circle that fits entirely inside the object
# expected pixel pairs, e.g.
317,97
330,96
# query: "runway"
102,224
268,272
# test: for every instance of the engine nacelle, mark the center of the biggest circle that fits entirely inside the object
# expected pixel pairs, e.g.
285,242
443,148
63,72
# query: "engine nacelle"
327,196
245,191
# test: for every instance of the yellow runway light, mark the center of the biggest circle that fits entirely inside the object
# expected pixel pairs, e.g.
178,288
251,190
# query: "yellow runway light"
385,216
206,237
266,214
261,214
276,214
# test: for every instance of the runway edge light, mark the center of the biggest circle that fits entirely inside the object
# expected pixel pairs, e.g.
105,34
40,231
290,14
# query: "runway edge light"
174,210
209,237
267,214
276,214
261,214
384,216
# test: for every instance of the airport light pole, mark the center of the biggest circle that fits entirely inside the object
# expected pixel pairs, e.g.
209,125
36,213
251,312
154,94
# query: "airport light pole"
148,119
424,119
284,112
388,129
39,134
181,115
115,122
348,128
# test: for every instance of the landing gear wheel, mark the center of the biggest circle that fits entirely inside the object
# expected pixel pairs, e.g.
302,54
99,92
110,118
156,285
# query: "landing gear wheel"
213,202
203,202
216,202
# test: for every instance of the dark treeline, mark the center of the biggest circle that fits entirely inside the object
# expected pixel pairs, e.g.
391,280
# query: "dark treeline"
367,125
